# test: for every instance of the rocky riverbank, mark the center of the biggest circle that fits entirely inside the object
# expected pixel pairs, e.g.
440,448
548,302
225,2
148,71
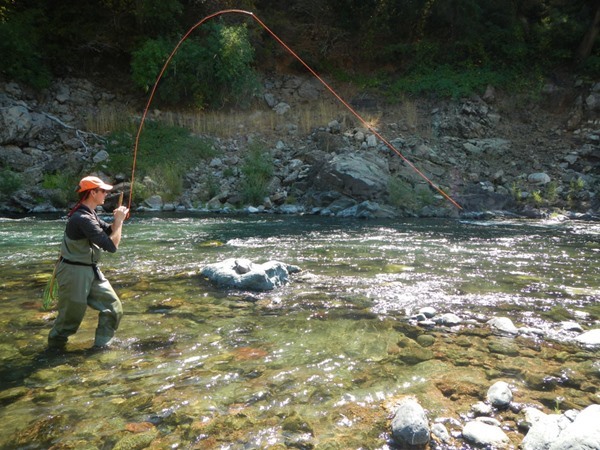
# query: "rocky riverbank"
489,153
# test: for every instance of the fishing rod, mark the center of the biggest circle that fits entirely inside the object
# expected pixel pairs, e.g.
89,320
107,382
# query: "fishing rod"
289,50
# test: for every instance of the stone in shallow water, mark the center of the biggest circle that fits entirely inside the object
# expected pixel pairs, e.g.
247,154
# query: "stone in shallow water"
591,338
545,429
583,433
428,311
410,424
499,394
481,409
449,319
503,324
484,435
244,274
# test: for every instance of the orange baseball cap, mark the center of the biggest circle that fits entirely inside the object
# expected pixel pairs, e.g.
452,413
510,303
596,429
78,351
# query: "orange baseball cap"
88,183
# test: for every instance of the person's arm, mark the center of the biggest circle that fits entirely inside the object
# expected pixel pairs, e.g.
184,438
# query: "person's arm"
119,214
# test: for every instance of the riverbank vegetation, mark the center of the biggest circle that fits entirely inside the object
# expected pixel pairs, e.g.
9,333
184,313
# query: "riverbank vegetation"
450,48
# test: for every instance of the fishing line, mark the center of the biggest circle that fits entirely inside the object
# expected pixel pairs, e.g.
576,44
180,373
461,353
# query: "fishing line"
289,50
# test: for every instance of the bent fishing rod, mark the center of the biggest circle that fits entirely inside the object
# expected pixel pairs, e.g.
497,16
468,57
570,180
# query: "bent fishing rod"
299,59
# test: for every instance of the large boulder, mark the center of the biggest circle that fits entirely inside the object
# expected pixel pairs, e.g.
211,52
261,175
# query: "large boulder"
545,429
361,176
244,274
15,123
583,433
569,431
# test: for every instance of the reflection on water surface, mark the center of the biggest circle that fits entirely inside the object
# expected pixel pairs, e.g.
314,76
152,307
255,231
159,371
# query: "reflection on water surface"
312,364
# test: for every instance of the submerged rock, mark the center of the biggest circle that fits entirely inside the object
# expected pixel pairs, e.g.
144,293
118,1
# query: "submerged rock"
503,324
500,395
545,429
591,338
485,435
583,433
410,424
560,432
244,274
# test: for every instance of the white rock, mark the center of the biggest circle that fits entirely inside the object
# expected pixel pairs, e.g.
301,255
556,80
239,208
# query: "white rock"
243,274
440,431
482,409
591,337
499,394
503,324
449,319
484,435
571,326
545,430
583,433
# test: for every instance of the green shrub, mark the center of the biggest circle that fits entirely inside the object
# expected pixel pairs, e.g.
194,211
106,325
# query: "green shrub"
62,186
536,198
401,194
165,154
167,182
551,192
10,182
257,172
448,81
59,181
211,71
575,188
159,144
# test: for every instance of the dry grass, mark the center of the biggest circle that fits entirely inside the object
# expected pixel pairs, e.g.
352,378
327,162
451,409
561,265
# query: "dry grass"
304,117
108,119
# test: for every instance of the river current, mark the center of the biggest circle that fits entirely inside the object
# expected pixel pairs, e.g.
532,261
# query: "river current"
317,363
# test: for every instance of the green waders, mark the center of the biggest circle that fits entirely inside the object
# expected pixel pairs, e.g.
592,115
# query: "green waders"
79,287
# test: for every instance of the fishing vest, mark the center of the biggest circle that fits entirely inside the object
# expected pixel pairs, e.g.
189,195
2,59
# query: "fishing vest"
80,251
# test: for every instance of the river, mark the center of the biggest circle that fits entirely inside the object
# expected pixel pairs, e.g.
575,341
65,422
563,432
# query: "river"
317,363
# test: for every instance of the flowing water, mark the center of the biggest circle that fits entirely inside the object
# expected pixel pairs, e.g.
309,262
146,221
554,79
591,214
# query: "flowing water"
317,363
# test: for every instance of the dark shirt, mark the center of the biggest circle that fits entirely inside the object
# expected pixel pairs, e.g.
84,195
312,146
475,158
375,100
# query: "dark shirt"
85,224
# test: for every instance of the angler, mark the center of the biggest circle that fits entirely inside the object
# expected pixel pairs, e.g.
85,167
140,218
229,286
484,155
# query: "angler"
80,281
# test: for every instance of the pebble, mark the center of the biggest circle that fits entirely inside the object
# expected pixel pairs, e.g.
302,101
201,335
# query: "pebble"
484,435
499,394
482,409
503,324
428,311
440,431
449,319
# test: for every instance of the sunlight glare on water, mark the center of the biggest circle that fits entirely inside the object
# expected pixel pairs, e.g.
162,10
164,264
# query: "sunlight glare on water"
317,357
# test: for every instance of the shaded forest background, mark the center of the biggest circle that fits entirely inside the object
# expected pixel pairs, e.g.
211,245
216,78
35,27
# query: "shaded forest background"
437,47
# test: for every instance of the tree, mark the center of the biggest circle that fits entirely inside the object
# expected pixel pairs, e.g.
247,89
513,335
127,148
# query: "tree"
589,39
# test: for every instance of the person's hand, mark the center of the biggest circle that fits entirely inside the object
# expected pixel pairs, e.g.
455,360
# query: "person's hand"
120,213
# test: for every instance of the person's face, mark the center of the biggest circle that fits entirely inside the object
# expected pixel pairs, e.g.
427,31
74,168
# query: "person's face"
99,195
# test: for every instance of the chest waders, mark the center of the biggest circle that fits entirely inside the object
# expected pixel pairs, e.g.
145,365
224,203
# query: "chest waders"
82,284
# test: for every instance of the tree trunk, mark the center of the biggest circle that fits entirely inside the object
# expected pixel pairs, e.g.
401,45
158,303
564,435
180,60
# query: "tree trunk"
587,44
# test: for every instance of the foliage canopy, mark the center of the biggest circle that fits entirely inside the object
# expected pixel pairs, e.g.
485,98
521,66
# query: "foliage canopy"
41,38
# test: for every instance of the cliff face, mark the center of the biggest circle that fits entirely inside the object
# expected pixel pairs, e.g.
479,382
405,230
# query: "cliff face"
494,152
